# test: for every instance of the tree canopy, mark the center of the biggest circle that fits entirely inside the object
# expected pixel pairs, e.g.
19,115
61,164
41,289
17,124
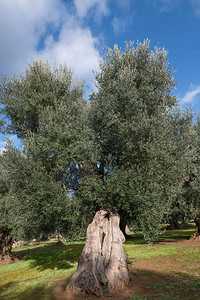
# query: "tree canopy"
53,140
129,149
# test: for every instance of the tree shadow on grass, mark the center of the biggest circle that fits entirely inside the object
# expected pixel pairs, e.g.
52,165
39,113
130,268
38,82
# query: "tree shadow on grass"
56,291
32,293
149,284
135,239
169,236
144,284
175,235
52,257
5,287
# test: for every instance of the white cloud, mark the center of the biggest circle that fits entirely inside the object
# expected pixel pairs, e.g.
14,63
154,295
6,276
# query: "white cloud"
2,147
196,5
25,23
116,24
12,138
119,24
83,7
190,96
165,5
76,47
22,23
125,3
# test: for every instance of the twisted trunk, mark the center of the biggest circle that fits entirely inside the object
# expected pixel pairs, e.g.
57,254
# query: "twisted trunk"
5,246
196,235
174,224
103,262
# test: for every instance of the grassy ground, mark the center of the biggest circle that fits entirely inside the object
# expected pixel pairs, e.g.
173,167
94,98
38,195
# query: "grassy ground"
168,270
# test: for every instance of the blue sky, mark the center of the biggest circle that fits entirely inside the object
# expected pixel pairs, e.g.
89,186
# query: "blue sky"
75,32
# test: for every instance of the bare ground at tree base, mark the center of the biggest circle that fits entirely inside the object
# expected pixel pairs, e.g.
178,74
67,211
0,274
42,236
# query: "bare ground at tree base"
168,277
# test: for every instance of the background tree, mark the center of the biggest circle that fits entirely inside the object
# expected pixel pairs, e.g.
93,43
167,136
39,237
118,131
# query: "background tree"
185,140
191,185
5,216
25,97
45,108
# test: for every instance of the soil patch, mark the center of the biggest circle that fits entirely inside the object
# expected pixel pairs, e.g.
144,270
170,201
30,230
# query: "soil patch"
158,278
9,261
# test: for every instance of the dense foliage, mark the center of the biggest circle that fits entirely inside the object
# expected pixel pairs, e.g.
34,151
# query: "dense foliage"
129,149
145,142
45,108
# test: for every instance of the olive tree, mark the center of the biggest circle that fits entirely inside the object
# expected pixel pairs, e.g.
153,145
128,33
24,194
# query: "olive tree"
45,108
130,116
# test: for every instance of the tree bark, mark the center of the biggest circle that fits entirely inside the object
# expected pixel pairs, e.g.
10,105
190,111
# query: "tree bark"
5,246
124,228
103,264
61,238
196,236
174,224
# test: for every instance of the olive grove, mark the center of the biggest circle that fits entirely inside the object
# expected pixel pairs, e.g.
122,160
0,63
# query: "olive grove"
129,155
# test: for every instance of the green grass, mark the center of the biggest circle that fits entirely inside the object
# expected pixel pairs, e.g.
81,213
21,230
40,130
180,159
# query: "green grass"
178,281
148,252
45,267
41,266
136,248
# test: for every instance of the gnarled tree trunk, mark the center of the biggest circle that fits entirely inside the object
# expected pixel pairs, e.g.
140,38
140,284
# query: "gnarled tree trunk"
196,235
174,224
124,228
5,246
103,263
